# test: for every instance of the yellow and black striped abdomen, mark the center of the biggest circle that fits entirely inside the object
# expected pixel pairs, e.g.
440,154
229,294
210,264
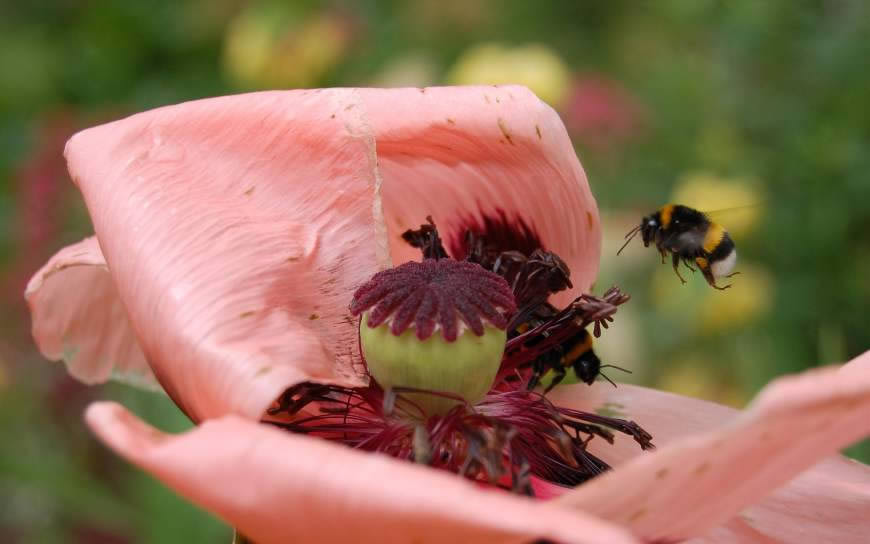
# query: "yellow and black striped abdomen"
722,254
713,237
576,347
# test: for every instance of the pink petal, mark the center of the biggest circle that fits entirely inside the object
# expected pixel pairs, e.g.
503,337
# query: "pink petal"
668,417
694,484
235,230
858,365
278,487
828,503
85,325
459,153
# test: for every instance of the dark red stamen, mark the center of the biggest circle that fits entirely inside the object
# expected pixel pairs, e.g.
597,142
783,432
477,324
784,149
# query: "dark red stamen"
483,240
435,292
533,279
426,239
532,272
506,438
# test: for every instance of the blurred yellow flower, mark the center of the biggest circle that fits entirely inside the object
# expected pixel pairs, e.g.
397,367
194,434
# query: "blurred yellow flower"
271,46
707,310
247,47
740,200
534,65
749,299
407,70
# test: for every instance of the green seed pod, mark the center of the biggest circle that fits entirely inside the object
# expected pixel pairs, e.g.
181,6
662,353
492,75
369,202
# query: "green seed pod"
465,367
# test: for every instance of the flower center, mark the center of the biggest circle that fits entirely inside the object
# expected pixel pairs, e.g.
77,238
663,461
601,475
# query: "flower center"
464,400
404,308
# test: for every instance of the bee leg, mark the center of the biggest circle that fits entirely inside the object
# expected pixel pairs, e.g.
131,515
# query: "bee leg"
537,371
676,261
688,265
539,367
559,375
662,251
731,275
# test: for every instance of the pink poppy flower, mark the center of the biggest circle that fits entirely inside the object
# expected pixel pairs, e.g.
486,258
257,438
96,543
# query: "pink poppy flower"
231,236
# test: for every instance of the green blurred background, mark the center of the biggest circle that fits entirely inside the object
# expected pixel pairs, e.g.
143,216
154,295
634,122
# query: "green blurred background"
716,104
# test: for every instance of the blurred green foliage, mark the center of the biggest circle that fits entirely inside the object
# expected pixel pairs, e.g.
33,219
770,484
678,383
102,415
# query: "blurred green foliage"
769,97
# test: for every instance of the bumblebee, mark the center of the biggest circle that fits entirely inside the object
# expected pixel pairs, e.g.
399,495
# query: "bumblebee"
576,353
690,237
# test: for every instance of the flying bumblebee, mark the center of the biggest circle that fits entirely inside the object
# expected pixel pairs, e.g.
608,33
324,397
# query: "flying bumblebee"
691,237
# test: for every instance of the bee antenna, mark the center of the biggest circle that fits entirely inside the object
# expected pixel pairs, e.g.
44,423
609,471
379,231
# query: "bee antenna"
602,374
632,232
627,371
629,237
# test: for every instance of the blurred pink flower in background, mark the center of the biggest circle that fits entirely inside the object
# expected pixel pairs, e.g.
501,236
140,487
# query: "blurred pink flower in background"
41,186
600,113
230,236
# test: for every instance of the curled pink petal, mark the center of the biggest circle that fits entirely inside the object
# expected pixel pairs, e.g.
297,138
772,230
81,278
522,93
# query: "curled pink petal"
78,317
694,484
277,487
235,230
858,365
461,154
828,503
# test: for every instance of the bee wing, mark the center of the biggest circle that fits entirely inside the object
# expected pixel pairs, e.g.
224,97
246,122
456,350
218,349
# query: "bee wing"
734,213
